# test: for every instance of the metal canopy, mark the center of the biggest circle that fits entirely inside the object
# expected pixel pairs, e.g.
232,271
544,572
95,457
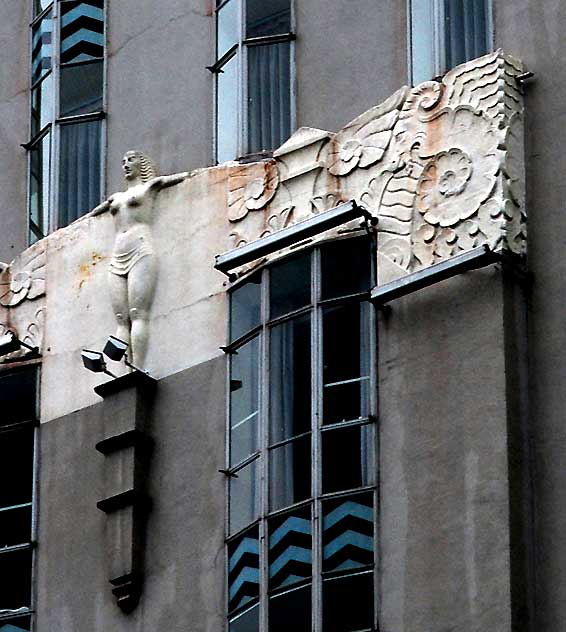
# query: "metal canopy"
470,260
291,235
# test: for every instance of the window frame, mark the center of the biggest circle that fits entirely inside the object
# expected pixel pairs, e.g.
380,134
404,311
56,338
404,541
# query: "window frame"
54,125
239,50
315,308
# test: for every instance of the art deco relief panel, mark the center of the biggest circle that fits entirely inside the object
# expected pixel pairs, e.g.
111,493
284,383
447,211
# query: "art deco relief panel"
440,165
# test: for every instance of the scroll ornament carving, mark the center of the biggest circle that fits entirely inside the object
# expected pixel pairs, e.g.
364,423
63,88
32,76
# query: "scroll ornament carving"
25,278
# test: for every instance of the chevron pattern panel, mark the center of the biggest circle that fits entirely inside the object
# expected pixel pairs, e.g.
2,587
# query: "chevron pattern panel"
41,48
347,538
243,570
290,549
82,30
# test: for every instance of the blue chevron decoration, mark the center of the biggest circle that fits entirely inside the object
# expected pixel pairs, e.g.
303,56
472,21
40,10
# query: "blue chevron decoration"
290,550
41,48
347,537
82,30
243,570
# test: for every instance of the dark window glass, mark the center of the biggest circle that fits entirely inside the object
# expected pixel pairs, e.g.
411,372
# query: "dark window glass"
346,359
16,466
42,47
244,394
81,89
290,379
348,603
269,96
245,307
15,571
290,473
291,611
79,169
346,268
244,496
82,30
40,161
21,624
290,285
243,569
227,22
347,533
466,29
227,111
15,525
290,548
40,5
246,622
17,397
347,458
42,105
267,17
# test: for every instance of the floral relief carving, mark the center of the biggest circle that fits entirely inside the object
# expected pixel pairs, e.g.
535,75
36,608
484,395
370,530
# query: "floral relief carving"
25,278
251,188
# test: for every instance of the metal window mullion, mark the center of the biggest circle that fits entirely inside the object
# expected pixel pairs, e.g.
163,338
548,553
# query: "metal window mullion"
243,139
34,515
103,124
52,220
440,37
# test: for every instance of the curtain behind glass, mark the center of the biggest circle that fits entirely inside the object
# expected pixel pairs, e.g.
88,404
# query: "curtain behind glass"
466,30
79,165
269,96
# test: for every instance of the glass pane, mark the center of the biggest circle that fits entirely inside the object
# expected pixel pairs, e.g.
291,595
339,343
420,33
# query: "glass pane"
269,96
348,603
42,105
15,570
82,30
227,27
244,497
227,111
290,285
20,624
15,526
290,473
81,89
347,458
267,17
290,548
17,396
290,379
244,395
243,569
245,304
79,177
291,611
42,48
347,533
16,466
422,41
40,5
246,622
40,160
465,30
346,268
346,360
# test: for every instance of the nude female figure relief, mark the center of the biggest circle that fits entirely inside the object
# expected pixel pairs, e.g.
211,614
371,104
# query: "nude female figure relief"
132,272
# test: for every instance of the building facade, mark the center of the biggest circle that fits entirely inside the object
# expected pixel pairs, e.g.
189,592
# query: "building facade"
327,232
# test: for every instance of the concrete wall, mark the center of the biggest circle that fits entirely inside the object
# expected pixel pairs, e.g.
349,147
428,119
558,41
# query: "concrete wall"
185,532
14,124
534,31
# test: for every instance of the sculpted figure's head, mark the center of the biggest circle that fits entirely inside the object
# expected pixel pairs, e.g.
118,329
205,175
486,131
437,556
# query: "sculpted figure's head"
136,164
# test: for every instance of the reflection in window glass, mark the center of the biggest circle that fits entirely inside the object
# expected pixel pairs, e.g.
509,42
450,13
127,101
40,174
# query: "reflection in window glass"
42,105
79,170
81,89
290,473
290,548
290,285
346,266
267,18
42,47
244,496
243,570
244,394
21,624
245,304
82,30
17,397
291,611
40,5
227,23
246,622
15,526
39,157
227,111
16,466
15,570
290,379
347,458
348,603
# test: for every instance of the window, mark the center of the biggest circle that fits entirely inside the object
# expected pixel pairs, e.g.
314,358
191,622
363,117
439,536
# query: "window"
253,76
17,502
445,33
67,67
302,445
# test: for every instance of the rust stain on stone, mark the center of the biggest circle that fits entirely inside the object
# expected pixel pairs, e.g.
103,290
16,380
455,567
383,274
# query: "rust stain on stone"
86,269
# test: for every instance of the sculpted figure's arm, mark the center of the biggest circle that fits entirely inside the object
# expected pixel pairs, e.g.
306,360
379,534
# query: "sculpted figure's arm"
101,208
161,182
